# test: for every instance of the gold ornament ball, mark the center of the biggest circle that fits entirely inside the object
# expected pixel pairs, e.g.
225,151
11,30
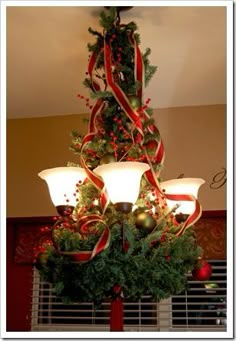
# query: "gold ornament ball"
145,221
135,102
107,158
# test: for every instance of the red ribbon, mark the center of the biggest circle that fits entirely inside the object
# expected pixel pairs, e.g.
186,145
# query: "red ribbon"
99,103
95,111
85,256
118,92
138,71
136,119
95,179
193,218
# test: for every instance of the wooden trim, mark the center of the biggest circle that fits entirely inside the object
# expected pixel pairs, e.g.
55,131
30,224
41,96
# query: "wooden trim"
38,220
214,214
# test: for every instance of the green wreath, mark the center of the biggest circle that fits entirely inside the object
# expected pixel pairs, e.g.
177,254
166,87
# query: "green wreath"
151,263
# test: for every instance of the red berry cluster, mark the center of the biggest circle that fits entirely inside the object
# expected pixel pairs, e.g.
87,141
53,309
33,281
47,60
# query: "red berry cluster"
67,200
141,110
90,106
113,143
79,183
41,248
118,54
141,158
45,229
121,127
68,224
113,37
37,250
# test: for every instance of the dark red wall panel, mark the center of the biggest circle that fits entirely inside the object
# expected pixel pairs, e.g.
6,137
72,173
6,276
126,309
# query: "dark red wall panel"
19,286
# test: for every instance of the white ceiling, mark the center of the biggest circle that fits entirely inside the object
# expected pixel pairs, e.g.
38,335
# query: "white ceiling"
47,56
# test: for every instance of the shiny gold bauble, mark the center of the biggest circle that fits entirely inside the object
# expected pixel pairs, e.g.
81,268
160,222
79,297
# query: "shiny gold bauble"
135,102
145,221
107,158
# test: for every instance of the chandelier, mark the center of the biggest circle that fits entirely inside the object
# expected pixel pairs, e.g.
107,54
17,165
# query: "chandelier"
121,232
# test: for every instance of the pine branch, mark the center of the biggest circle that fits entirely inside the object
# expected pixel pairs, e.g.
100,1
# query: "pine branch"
107,20
101,94
95,33
131,26
87,83
149,73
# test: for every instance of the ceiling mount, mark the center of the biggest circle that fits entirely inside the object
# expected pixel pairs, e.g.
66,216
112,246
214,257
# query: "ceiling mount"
120,8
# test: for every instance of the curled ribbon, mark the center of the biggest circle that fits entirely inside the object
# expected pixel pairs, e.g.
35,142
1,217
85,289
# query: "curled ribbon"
102,243
96,180
160,152
135,118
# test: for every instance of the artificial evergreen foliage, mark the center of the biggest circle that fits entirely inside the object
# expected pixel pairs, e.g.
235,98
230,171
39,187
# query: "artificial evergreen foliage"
150,259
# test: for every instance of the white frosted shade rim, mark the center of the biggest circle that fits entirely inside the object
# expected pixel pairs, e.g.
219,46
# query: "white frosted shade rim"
62,170
127,165
174,183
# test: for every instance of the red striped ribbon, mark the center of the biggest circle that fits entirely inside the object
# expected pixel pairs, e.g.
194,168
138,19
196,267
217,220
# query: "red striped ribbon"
102,243
160,152
96,180
138,65
118,92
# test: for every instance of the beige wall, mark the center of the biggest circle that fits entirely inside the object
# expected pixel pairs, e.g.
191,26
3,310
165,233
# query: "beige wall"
195,145
194,139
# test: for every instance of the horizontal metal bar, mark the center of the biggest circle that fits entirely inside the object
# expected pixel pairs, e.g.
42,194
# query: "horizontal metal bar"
198,311
41,317
51,311
97,327
93,311
198,296
132,318
203,328
190,303
156,305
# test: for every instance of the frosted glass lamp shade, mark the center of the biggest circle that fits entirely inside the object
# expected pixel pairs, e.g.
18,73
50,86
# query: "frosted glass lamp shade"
182,186
62,182
122,180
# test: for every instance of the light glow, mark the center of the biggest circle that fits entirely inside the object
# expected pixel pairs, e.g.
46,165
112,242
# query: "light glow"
122,180
62,182
182,186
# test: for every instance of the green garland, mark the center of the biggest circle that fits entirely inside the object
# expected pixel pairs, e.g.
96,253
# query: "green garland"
155,265
141,260
144,258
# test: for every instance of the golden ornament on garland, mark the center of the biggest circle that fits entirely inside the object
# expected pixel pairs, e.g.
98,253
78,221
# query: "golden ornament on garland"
107,158
145,221
135,102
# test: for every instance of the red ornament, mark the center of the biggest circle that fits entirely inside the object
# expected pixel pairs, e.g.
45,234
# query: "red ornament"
203,271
